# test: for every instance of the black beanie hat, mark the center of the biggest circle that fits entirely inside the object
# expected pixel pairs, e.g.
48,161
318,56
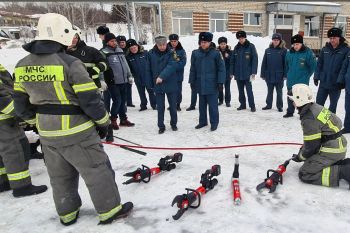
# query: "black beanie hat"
109,36
297,39
205,36
131,42
102,30
240,34
173,37
121,38
222,39
334,32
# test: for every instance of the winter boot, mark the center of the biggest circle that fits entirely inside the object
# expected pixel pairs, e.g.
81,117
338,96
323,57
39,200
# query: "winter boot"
29,190
109,137
241,108
200,126
161,130
190,108
126,123
288,115
266,108
37,155
5,187
114,123
143,108
178,107
126,208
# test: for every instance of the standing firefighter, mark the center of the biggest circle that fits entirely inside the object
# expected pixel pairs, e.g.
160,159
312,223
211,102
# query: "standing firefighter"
54,91
121,40
161,76
300,64
207,74
137,60
244,65
328,68
14,146
226,53
273,72
91,57
180,56
324,147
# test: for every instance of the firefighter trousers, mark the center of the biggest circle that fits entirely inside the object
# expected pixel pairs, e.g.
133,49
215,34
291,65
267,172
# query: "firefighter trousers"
14,156
87,158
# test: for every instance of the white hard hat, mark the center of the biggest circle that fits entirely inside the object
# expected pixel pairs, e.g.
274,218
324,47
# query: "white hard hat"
302,94
56,27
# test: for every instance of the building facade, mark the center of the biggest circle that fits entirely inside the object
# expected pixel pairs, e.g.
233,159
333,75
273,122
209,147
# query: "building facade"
258,18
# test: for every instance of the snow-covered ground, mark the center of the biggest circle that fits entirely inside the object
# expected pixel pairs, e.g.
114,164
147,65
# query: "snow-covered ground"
294,207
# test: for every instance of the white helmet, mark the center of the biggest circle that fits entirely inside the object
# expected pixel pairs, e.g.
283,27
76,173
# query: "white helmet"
55,27
302,95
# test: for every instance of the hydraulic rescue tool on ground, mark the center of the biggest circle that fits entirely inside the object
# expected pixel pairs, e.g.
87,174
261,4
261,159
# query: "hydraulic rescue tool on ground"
187,200
144,173
274,177
235,182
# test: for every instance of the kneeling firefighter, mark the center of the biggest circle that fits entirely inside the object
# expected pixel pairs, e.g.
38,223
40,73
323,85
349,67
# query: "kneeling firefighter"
324,147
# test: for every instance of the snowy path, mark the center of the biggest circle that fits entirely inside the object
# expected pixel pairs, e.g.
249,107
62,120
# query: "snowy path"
294,207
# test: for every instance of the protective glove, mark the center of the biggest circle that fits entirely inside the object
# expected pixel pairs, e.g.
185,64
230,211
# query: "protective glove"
316,82
252,77
104,86
93,72
131,80
296,158
102,131
220,87
32,137
341,85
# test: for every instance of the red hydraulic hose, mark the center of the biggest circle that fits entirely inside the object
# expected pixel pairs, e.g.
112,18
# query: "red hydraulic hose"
206,148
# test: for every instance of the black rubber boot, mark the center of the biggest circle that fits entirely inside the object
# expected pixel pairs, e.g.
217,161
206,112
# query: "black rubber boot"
29,190
126,208
109,137
70,222
5,187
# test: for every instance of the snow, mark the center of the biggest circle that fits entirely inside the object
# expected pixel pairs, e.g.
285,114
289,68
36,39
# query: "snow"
294,207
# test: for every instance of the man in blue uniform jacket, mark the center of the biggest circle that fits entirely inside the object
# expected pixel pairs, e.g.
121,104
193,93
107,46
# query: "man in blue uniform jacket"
207,75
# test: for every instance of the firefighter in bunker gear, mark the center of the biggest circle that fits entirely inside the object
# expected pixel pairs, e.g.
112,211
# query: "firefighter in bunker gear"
324,147
54,91
14,146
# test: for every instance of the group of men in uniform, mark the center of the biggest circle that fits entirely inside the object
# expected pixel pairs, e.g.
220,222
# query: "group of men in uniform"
60,95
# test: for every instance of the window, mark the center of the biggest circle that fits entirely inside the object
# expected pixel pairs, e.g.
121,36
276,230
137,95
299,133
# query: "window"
341,23
254,33
182,23
312,26
252,19
218,22
284,19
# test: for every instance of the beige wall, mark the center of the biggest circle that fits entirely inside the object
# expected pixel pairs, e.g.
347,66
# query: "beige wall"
240,7
231,7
